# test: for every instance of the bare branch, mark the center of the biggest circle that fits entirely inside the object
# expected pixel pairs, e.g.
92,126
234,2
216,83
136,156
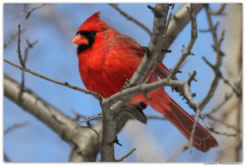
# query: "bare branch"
127,16
145,87
92,118
179,20
153,70
218,132
221,122
236,90
219,11
216,69
28,13
222,37
192,78
169,19
181,60
14,127
216,108
187,51
194,127
155,46
11,38
218,63
179,150
18,47
78,115
126,155
55,81
29,45
80,139
156,118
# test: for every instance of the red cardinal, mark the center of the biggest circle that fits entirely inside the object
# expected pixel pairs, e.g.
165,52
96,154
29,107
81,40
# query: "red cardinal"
108,58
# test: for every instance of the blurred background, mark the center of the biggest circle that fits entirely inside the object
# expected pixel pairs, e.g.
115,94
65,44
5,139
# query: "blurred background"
54,26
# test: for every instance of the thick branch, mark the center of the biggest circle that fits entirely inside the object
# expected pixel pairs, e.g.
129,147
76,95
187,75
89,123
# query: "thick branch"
155,46
180,19
84,139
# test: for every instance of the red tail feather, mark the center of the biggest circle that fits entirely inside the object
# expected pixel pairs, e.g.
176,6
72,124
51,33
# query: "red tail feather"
202,139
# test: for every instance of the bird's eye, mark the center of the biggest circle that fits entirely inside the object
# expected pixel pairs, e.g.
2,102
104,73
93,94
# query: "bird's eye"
92,33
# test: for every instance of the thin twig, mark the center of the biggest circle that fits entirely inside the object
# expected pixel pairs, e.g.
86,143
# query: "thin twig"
186,51
198,111
26,51
216,67
192,78
235,89
11,38
155,11
222,36
14,127
218,132
29,45
115,6
156,118
18,47
148,79
219,11
99,116
181,148
169,19
77,115
216,108
28,13
221,122
213,28
126,155
55,81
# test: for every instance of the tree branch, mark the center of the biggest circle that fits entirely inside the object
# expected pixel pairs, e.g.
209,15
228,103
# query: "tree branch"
84,139
155,46
180,19
14,127
126,155
219,11
55,81
113,104
218,63
127,16
28,13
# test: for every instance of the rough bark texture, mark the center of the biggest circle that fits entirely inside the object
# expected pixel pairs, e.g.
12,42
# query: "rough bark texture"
84,141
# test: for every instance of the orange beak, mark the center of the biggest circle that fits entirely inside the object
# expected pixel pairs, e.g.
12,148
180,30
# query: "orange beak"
80,40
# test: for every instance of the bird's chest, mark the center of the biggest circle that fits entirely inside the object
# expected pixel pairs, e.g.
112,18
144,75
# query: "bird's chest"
98,76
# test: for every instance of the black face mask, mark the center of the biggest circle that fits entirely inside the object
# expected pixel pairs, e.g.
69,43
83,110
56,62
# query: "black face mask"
90,35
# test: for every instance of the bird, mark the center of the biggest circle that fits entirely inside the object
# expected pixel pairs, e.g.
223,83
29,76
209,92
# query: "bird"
107,59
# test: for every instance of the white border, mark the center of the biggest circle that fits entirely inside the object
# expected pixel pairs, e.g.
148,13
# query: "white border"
112,1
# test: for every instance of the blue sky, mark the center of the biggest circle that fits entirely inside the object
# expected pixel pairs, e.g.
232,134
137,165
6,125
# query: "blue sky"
55,56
